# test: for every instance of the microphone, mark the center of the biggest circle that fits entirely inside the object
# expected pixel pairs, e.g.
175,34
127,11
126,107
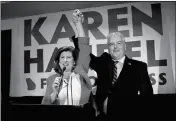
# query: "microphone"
64,68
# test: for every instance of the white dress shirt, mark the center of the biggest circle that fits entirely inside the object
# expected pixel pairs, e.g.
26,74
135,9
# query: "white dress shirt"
73,86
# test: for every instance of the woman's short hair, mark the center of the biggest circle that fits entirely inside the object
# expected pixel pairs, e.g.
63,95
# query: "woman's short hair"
58,53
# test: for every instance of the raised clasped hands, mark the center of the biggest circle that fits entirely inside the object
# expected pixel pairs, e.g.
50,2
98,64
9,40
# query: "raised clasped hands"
78,17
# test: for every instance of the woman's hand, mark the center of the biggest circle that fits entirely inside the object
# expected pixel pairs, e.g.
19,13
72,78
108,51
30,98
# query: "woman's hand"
56,84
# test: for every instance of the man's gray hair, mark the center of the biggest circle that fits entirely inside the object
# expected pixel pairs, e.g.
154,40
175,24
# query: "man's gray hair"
115,34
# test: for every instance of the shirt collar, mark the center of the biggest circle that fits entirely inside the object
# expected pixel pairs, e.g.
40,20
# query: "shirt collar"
121,60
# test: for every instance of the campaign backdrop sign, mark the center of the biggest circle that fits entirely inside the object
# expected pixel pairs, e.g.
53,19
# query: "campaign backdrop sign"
148,27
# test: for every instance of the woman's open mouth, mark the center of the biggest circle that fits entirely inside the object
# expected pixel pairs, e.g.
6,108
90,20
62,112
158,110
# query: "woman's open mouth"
65,64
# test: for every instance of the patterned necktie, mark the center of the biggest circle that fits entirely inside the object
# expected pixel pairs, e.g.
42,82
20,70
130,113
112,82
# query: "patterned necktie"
115,72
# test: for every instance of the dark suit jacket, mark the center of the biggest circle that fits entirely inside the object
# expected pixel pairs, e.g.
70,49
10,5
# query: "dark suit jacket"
133,78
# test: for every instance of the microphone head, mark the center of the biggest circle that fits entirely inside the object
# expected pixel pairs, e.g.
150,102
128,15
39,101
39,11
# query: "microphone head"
64,68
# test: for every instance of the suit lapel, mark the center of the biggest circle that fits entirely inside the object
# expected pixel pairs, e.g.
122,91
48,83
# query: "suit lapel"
123,73
125,69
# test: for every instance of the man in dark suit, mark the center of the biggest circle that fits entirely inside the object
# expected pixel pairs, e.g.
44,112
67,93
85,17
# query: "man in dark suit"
118,75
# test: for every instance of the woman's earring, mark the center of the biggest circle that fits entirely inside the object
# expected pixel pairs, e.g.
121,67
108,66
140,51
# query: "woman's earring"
74,64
